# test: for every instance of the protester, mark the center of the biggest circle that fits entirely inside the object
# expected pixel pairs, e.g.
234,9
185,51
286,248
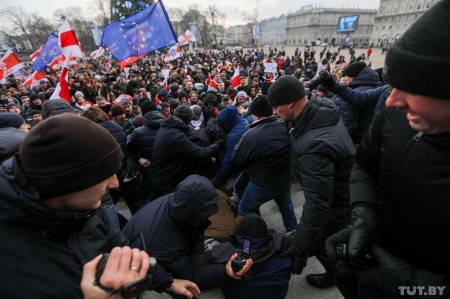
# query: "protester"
12,131
399,184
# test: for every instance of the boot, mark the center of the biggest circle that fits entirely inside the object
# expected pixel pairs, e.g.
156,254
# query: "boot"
320,280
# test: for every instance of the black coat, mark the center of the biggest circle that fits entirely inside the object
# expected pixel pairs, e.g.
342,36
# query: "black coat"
43,251
173,226
142,139
264,152
323,155
172,157
406,175
117,132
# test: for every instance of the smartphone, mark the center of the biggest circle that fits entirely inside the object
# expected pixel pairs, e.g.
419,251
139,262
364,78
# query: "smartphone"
246,246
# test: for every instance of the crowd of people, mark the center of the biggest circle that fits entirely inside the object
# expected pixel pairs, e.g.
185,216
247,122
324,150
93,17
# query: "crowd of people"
196,145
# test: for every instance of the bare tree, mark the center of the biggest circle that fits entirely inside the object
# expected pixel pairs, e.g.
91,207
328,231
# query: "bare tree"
103,9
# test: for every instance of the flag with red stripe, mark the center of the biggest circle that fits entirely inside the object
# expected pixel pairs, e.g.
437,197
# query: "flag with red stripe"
36,54
34,79
9,64
62,89
68,41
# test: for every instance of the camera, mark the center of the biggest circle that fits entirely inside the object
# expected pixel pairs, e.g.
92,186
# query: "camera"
3,103
238,263
364,261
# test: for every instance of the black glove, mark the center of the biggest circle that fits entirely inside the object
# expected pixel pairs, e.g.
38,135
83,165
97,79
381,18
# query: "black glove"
392,272
357,235
300,258
327,79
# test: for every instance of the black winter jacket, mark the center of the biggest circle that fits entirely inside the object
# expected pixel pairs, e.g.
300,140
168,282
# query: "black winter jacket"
118,134
173,225
142,139
264,152
406,174
172,157
358,119
42,250
323,154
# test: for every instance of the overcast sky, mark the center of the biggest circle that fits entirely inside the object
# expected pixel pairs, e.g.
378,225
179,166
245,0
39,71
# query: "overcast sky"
232,8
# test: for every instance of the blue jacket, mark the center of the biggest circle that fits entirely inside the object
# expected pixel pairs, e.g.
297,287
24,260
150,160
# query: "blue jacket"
235,126
117,132
357,120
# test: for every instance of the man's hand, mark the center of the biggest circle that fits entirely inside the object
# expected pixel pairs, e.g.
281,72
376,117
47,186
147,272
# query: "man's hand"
357,235
243,272
300,258
391,272
185,288
125,265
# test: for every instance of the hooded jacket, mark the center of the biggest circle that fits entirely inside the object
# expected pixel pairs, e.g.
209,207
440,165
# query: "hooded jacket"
323,155
356,119
172,156
142,139
235,126
43,250
172,226
10,140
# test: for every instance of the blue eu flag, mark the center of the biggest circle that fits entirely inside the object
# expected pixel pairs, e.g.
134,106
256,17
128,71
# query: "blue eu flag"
50,50
146,31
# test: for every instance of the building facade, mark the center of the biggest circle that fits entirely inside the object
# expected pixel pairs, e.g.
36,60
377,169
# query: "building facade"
394,17
240,34
318,25
273,31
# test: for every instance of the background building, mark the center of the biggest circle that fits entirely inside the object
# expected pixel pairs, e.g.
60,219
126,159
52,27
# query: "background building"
395,16
240,34
273,31
319,24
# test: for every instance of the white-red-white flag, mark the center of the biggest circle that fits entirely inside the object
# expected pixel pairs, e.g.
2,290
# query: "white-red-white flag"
226,63
58,62
36,54
186,38
62,89
236,79
173,53
68,41
98,53
9,64
34,79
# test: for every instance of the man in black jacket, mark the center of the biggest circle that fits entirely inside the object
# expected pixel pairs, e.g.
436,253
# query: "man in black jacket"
400,183
264,154
323,154
173,153
173,228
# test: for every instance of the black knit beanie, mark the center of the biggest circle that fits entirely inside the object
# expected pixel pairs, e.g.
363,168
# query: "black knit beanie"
260,107
423,50
184,113
68,153
353,69
141,101
10,120
285,90
148,106
252,226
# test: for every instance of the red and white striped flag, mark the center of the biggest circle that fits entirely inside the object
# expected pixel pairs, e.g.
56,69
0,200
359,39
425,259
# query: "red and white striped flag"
62,89
186,38
68,41
36,54
34,79
225,63
9,64
98,53
236,79
58,61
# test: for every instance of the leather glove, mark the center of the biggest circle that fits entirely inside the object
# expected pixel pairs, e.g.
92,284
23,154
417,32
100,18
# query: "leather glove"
327,79
300,258
357,235
391,272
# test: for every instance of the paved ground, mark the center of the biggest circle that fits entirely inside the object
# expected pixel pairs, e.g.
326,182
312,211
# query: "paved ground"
298,288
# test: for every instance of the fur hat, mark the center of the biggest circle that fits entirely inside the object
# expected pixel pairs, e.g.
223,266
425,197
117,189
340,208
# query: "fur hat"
54,107
67,153
261,107
285,90
422,51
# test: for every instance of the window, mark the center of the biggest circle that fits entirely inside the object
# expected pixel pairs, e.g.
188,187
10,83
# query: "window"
410,7
419,6
397,26
390,27
384,27
405,25
427,5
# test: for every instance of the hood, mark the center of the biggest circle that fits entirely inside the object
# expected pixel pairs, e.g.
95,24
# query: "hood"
367,77
10,140
193,201
319,113
227,118
153,119
23,208
54,107
175,122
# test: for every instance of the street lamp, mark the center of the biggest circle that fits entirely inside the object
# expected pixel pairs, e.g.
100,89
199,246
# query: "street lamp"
214,30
